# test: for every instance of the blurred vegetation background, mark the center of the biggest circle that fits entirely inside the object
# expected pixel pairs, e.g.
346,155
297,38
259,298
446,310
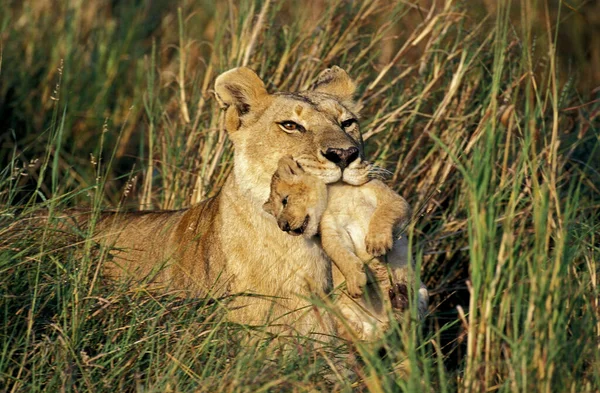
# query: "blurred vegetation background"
486,113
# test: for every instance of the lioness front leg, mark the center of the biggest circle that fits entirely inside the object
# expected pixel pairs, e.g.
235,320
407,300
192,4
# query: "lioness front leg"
391,210
339,247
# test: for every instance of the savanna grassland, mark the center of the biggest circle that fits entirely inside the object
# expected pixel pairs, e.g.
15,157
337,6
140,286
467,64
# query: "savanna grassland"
485,113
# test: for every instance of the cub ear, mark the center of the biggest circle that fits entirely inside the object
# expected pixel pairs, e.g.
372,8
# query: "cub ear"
237,91
269,207
336,82
288,169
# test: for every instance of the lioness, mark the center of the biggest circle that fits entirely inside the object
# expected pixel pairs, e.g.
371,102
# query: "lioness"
356,226
229,244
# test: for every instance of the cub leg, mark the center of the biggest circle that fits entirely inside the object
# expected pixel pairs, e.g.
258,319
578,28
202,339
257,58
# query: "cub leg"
339,247
391,210
398,260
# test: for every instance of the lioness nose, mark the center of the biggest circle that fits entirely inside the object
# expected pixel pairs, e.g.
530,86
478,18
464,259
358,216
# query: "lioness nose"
342,157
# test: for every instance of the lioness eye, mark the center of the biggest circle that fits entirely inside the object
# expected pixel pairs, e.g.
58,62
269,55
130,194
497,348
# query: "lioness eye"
348,123
284,201
289,125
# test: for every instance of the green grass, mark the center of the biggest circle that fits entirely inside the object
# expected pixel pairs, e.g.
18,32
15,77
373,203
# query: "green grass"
488,122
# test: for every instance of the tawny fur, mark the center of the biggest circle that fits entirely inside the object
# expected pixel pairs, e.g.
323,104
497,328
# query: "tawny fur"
229,244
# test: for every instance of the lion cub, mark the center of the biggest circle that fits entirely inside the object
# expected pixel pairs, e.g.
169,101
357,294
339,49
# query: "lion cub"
356,223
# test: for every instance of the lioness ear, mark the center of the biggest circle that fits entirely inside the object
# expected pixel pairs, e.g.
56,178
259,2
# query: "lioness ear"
335,81
237,91
288,169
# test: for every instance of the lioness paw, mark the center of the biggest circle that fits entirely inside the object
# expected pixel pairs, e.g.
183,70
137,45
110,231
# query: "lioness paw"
355,284
378,244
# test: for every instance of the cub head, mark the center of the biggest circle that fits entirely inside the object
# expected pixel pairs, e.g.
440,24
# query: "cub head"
297,199
317,127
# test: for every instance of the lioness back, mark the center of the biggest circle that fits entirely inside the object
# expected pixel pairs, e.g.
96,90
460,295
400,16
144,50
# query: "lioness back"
168,248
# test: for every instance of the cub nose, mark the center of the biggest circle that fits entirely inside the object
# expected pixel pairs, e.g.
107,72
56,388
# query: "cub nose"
342,157
284,226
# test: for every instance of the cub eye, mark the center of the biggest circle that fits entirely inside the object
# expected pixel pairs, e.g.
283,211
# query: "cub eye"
289,125
284,201
348,123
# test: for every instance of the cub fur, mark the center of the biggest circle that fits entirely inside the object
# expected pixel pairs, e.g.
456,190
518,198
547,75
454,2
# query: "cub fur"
356,226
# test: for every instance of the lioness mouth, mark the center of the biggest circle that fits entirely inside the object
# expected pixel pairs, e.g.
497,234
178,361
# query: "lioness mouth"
300,230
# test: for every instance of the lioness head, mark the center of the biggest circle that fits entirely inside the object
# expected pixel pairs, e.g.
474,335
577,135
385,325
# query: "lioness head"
297,199
317,127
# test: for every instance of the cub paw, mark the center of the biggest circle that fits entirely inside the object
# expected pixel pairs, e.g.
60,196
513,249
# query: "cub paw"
378,244
355,284
399,297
